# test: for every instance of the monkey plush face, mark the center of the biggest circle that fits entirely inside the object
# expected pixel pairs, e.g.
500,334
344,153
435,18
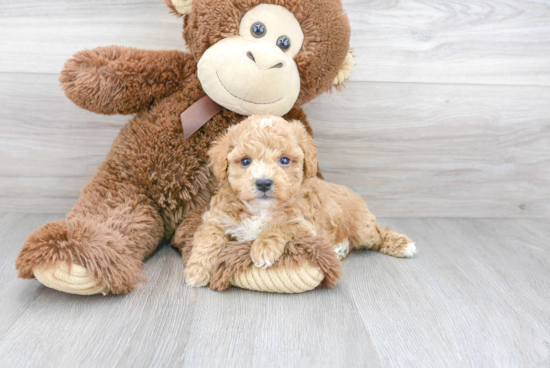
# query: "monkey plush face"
254,72
266,56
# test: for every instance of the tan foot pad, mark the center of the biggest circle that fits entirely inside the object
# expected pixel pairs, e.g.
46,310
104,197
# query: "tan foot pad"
76,282
279,280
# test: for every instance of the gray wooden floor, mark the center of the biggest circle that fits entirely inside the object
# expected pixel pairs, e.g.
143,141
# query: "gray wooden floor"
476,294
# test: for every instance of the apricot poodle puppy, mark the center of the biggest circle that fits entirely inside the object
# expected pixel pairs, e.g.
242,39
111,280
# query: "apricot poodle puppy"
270,194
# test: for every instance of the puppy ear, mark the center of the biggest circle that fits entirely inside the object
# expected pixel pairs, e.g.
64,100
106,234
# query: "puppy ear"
308,146
218,157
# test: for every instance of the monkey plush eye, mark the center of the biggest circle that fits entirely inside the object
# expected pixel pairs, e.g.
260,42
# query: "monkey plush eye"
245,162
283,42
285,161
258,29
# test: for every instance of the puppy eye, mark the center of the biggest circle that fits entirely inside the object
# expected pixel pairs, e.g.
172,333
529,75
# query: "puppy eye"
284,161
245,162
283,42
258,30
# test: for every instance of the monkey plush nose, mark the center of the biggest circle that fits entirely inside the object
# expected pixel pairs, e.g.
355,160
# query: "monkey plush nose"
264,185
265,56
279,65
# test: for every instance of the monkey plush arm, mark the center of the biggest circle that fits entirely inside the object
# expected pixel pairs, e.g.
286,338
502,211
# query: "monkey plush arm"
123,80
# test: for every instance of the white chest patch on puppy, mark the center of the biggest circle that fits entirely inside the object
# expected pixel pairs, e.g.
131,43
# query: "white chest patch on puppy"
247,229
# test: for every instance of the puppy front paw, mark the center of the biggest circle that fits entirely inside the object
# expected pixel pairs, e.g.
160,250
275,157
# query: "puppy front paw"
196,276
265,253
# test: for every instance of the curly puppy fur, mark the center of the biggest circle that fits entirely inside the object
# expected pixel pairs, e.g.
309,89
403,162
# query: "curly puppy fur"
296,204
152,177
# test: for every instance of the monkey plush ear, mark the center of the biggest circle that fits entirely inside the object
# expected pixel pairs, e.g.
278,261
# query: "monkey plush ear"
345,70
181,7
218,157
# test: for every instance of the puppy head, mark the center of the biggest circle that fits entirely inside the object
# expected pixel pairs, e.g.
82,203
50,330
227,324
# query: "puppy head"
265,159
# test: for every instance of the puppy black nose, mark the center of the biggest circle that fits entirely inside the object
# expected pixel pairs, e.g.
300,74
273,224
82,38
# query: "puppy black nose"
264,185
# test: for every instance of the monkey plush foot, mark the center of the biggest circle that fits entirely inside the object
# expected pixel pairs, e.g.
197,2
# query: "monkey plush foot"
80,256
74,279
307,263
280,280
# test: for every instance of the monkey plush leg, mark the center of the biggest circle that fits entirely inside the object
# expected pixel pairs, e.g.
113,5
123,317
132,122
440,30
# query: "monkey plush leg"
383,239
123,80
99,247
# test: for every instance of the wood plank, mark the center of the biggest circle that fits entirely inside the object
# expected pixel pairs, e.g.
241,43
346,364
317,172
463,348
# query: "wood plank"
478,291
409,149
49,148
438,150
246,328
471,42
466,42
39,37
476,294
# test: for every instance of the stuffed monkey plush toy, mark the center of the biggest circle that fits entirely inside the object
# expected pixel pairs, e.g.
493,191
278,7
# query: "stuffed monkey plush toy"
245,57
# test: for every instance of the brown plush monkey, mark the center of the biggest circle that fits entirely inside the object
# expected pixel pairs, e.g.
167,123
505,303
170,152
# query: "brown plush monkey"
249,56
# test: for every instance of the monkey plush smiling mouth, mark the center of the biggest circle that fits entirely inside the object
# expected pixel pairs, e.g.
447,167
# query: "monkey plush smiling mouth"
270,194
254,72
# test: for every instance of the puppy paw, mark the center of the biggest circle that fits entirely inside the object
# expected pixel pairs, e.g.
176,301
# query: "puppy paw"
403,248
196,276
265,253
409,250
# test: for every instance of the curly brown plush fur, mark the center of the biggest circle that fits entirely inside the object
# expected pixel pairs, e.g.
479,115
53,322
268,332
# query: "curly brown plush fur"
152,177
133,78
